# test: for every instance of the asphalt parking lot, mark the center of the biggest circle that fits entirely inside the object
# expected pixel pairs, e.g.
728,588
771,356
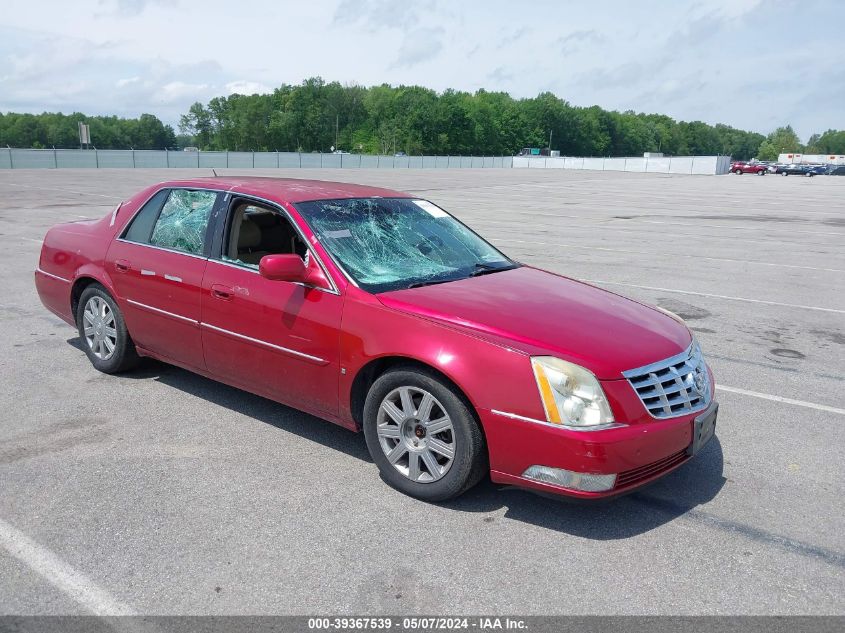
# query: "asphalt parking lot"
161,492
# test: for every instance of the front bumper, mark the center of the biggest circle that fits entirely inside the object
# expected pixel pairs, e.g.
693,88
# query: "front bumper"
637,453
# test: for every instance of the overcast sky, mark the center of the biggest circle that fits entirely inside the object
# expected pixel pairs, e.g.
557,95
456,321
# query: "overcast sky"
752,64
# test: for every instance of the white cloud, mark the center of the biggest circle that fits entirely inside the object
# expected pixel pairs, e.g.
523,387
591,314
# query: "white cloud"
377,14
127,8
728,9
180,91
419,46
244,87
573,41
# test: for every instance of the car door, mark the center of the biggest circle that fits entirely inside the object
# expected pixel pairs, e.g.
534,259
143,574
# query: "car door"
157,266
277,338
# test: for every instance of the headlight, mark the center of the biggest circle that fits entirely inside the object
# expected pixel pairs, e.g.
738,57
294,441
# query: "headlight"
571,395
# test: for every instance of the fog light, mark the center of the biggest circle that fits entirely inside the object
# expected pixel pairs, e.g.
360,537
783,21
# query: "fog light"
568,479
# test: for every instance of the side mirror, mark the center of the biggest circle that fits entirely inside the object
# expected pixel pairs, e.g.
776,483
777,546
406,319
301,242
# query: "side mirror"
292,268
282,268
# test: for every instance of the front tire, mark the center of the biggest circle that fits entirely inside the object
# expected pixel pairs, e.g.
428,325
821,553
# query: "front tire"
783,173
103,332
738,172
422,435
761,173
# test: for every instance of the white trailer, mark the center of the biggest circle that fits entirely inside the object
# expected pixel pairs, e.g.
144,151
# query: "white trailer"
798,159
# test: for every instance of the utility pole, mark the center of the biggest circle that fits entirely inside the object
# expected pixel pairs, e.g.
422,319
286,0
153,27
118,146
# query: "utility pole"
550,141
336,125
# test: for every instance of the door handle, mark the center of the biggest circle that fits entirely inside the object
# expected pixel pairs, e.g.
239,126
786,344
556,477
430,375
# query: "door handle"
219,291
121,265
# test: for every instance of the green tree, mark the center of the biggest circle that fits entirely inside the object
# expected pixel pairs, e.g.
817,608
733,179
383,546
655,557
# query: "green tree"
316,115
197,124
831,142
782,140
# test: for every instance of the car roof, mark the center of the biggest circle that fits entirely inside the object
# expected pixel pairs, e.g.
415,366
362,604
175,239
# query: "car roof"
288,190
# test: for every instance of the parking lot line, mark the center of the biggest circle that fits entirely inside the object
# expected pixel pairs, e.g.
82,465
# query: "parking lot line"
604,225
59,574
696,225
651,253
767,396
742,228
705,294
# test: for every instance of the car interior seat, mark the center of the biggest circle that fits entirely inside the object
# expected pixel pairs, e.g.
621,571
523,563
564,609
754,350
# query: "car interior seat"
249,243
260,234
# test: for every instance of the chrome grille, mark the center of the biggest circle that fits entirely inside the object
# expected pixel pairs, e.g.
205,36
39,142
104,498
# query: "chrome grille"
675,386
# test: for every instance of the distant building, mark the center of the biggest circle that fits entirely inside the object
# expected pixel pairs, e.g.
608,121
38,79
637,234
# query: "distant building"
830,159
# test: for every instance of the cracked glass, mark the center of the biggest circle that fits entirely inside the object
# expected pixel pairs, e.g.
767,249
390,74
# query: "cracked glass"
183,220
391,243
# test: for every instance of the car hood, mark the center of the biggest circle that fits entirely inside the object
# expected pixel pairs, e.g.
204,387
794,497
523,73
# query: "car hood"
541,313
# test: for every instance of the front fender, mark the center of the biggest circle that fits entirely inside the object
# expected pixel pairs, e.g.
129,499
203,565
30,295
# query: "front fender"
490,375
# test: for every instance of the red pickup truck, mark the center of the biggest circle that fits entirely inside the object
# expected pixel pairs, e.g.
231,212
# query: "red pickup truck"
740,168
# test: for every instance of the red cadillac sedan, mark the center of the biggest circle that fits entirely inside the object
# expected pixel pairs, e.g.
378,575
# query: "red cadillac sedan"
379,311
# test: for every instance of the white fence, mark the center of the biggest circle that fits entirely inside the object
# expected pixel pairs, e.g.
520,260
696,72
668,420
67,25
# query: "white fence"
11,158
708,165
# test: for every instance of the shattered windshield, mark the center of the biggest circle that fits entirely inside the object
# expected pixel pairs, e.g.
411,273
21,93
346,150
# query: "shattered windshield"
391,243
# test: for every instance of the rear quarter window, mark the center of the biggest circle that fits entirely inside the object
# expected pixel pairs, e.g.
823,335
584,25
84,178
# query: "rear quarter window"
141,227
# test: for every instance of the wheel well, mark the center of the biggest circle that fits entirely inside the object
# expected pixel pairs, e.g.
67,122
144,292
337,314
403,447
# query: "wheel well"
370,372
79,287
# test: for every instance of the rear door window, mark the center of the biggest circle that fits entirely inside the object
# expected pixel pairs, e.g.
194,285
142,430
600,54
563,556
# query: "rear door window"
183,222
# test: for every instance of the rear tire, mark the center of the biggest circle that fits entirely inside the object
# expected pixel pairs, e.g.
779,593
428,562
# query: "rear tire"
422,435
738,172
103,332
761,173
783,173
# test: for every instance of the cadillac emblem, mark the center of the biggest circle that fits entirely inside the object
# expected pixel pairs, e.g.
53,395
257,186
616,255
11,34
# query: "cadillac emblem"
699,381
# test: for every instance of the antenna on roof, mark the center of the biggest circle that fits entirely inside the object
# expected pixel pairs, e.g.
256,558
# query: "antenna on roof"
214,172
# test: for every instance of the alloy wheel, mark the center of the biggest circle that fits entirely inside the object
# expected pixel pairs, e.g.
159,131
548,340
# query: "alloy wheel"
416,434
99,328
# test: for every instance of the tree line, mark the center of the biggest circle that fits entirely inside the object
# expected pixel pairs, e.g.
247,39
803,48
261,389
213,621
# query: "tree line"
318,116
784,140
107,132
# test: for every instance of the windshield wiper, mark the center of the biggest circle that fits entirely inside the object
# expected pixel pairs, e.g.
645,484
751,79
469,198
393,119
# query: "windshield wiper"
482,268
431,282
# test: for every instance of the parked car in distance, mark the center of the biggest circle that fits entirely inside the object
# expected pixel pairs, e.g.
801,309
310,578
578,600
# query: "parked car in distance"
380,312
798,170
835,170
740,168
